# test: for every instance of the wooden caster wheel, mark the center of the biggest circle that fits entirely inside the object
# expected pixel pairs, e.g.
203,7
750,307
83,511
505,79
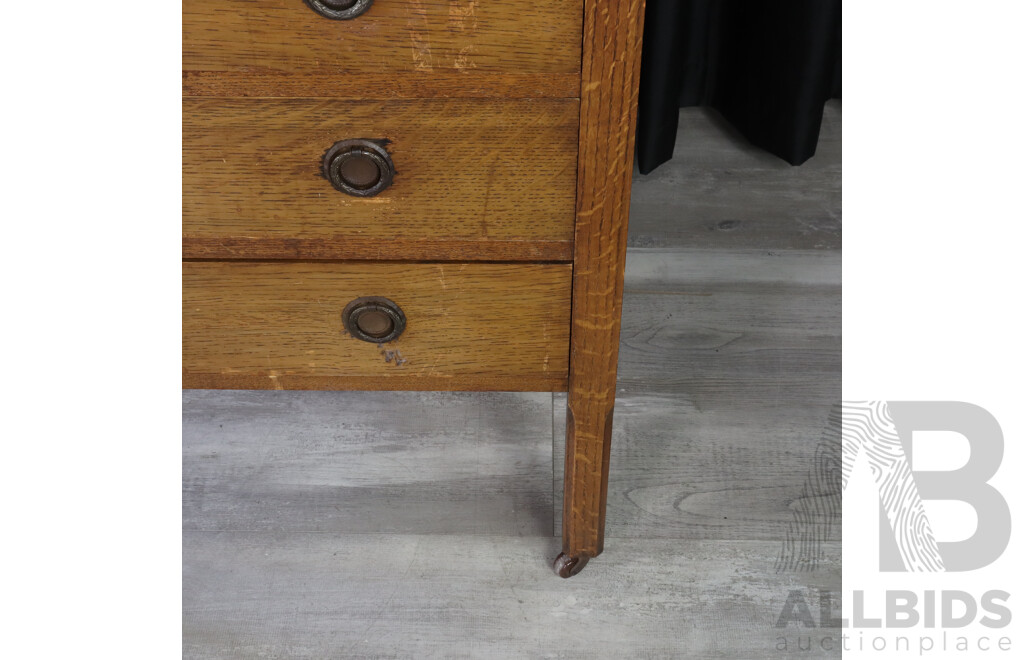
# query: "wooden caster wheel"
567,566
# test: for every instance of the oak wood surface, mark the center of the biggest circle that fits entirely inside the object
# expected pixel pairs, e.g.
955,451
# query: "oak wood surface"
470,37
414,84
373,249
278,326
541,382
475,171
612,38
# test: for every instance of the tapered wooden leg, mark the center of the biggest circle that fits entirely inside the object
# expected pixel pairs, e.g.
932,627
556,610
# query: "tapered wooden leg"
612,34
587,450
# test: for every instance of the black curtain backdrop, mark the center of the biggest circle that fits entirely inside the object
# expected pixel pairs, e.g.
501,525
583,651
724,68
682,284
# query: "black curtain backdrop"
767,66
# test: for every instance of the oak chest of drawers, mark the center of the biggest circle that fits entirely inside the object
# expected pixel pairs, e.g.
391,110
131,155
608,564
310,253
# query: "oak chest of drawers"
413,195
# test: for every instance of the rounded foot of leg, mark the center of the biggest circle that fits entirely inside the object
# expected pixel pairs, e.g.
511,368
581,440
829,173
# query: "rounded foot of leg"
567,566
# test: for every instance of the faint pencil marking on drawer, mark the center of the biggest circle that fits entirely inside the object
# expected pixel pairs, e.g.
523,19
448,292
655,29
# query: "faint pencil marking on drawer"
395,355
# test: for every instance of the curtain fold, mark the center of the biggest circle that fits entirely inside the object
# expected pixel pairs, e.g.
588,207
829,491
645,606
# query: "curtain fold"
767,67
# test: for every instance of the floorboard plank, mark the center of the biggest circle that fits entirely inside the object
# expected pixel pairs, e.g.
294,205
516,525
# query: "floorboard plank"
719,191
367,462
729,366
272,595
749,326
722,472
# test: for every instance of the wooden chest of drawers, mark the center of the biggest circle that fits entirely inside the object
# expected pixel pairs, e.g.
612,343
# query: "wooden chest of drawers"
413,194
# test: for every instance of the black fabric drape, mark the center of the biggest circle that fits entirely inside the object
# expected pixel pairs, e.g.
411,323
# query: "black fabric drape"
767,66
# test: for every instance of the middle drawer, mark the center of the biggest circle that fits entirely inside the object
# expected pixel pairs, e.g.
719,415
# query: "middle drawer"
473,179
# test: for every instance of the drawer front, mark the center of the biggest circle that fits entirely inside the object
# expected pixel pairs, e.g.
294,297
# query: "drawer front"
487,179
467,326
423,36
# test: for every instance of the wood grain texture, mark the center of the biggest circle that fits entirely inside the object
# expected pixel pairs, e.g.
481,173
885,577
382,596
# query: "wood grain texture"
338,462
467,170
473,383
415,84
611,73
373,249
309,595
738,196
469,37
278,325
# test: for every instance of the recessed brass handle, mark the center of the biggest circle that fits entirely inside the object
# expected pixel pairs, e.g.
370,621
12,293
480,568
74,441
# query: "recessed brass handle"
362,168
339,9
373,319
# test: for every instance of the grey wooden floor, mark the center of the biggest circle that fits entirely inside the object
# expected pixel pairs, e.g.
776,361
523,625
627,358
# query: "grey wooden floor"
412,525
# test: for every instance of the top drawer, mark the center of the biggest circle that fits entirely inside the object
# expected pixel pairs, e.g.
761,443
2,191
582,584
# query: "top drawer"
287,36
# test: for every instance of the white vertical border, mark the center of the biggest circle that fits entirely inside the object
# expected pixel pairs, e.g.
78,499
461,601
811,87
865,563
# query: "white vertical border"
91,158
932,263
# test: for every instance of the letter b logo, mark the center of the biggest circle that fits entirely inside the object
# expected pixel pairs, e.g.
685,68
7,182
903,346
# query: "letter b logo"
883,431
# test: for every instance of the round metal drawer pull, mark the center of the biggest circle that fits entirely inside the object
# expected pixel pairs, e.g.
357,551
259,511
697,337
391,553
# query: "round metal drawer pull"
339,9
373,319
362,168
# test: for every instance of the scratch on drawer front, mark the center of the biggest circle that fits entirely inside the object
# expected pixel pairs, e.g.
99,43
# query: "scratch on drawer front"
462,59
462,18
421,56
462,15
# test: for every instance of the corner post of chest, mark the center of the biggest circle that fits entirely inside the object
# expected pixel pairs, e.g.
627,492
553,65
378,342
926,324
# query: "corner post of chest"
612,36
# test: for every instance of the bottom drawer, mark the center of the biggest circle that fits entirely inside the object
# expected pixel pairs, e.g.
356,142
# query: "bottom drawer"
469,326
